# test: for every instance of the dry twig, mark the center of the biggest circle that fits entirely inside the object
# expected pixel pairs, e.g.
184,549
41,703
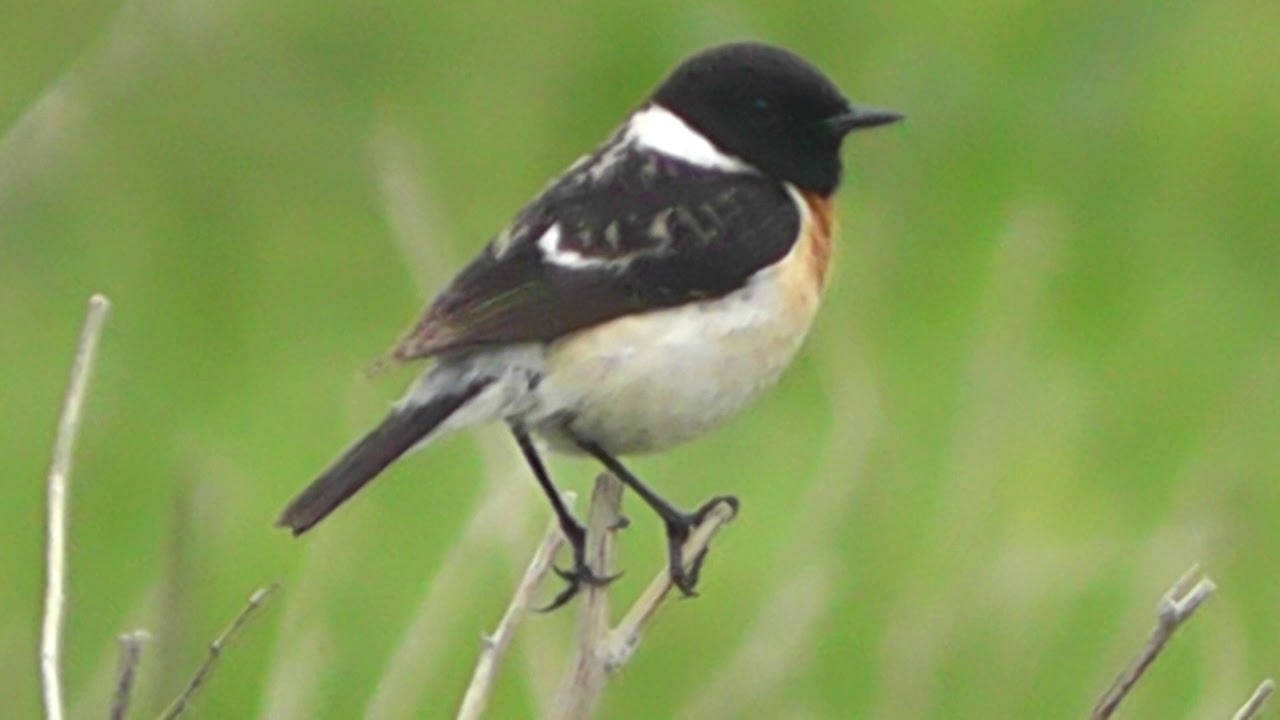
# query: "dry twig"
1176,607
625,638
1254,704
582,687
602,651
183,702
495,646
56,527
130,656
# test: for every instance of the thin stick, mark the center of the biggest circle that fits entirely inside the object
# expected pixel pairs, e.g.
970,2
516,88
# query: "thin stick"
580,693
219,644
130,656
1254,704
625,638
495,646
56,523
1176,607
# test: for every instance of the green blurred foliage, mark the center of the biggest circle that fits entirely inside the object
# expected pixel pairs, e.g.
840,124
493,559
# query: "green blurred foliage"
1045,381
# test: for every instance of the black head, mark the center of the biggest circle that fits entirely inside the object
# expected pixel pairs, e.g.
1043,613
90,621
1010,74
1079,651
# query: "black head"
770,108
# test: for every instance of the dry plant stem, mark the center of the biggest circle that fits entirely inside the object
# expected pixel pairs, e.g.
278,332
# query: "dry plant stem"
130,656
495,646
601,650
1176,607
56,523
582,687
1254,704
625,638
216,648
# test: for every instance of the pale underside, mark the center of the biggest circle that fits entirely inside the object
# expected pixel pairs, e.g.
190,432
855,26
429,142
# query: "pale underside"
648,381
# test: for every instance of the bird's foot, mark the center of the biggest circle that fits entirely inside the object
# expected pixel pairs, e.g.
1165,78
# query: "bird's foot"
580,575
679,528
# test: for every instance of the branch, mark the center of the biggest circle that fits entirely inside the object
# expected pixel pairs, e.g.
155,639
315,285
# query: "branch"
625,638
56,523
495,646
1254,704
583,686
602,651
130,656
1176,607
219,644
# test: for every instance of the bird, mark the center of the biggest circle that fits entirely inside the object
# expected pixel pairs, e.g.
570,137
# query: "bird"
649,293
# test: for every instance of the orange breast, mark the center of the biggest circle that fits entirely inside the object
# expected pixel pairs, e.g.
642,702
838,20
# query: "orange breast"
820,231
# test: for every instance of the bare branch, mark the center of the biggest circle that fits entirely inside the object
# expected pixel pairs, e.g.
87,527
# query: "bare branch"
495,646
1176,607
584,684
601,651
56,523
216,648
625,638
1254,704
130,656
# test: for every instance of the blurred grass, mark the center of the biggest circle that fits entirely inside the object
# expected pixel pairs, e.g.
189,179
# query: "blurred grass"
1045,382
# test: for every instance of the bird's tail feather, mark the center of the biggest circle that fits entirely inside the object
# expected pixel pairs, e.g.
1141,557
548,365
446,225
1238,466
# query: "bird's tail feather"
405,427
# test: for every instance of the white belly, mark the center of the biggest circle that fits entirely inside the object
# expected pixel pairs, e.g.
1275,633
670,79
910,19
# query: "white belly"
646,382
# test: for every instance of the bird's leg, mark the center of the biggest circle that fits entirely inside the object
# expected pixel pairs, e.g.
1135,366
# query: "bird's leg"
679,524
573,530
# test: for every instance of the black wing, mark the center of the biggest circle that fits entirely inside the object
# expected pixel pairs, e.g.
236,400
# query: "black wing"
632,231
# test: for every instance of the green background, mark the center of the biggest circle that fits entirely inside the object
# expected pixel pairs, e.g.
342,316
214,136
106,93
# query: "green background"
1046,380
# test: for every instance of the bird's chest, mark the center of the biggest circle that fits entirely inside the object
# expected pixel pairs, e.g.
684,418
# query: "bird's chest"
649,381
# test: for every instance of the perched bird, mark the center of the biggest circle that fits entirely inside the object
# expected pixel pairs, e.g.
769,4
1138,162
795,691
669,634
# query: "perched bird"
648,294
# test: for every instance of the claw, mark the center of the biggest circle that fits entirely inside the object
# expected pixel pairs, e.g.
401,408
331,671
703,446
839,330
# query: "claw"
694,572
576,578
560,600
702,512
685,580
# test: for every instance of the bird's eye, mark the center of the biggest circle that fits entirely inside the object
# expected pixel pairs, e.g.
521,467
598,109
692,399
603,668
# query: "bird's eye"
763,112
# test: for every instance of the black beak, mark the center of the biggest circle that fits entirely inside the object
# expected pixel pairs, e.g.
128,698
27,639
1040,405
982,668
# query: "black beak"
863,118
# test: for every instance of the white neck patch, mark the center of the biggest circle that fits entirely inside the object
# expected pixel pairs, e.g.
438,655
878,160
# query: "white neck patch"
657,128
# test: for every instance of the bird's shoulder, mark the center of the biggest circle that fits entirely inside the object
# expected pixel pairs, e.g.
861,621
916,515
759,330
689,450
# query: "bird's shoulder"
623,230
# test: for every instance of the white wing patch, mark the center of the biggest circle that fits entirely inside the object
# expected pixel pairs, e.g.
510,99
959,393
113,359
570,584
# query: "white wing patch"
657,128
549,244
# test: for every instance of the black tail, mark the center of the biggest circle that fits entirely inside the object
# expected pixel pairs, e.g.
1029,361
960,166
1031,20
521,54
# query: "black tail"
401,430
